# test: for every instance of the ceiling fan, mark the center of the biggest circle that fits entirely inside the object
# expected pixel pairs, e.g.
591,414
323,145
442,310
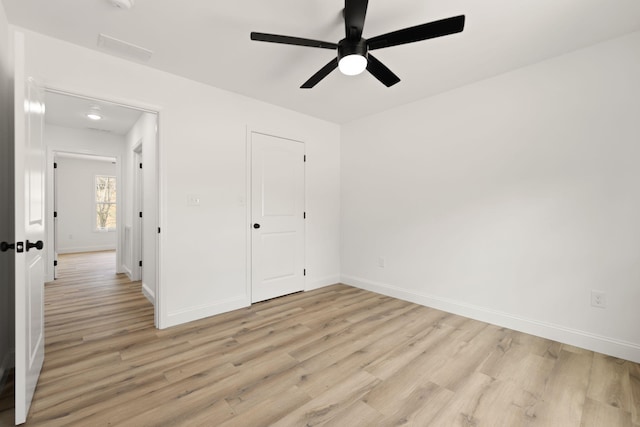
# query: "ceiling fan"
353,51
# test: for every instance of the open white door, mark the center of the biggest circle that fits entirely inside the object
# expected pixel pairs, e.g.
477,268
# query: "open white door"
277,204
29,233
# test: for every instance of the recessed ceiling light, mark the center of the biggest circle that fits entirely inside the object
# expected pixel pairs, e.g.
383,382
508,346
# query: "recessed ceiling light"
94,113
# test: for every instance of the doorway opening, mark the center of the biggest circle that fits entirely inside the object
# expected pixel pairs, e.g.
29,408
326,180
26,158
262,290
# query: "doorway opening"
85,205
102,177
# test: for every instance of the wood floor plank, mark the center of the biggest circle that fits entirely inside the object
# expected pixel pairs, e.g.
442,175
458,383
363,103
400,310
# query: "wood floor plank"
634,381
336,356
414,375
461,408
268,411
356,414
419,407
598,414
564,397
331,402
610,383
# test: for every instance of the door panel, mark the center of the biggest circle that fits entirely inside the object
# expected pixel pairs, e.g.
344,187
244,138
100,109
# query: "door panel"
279,183
277,197
279,256
35,154
29,228
35,303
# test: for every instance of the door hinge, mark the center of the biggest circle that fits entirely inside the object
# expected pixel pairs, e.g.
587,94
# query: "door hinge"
55,263
305,158
139,263
140,214
55,214
140,165
158,230
304,272
304,215
55,165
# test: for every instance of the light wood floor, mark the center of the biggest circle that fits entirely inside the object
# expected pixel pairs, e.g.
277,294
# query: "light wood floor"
337,356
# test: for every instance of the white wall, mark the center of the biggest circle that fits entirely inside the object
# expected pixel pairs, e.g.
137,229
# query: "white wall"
76,208
6,196
59,139
202,146
508,200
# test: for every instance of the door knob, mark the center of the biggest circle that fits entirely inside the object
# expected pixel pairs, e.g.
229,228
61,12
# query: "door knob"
4,246
256,226
38,245
18,246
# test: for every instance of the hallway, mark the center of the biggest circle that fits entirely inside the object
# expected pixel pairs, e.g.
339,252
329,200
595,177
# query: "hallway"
88,304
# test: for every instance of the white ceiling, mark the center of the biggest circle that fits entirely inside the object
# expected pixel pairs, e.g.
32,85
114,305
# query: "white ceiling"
70,111
208,41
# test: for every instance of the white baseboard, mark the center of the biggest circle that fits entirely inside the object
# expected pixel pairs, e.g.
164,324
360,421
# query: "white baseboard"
601,344
206,310
128,272
80,249
322,282
148,293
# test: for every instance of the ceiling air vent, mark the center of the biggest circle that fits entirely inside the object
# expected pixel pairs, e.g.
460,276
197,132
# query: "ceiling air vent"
124,49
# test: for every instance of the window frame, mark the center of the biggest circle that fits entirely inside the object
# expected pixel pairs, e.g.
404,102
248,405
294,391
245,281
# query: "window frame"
96,226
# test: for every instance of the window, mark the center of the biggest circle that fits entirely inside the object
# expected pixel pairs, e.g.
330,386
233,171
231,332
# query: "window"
105,203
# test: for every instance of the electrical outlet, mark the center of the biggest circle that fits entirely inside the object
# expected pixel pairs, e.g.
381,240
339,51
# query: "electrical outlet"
598,299
381,262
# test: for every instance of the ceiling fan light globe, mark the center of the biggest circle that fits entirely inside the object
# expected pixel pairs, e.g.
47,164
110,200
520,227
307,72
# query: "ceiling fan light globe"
352,65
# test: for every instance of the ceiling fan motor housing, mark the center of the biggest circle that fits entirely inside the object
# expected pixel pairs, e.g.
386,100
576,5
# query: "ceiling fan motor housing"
349,47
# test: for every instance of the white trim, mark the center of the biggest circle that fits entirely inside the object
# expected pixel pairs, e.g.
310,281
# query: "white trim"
160,313
136,105
126,271
80,249
149,294
206,310
601,344
19,182
248,259
136,229
159,191
321,282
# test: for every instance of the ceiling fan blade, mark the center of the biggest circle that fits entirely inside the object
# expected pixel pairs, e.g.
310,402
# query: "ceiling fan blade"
430,30
324,72
275,38
381,72
354,13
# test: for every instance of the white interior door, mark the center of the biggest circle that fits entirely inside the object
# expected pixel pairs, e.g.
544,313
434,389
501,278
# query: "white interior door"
29,232
277,205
